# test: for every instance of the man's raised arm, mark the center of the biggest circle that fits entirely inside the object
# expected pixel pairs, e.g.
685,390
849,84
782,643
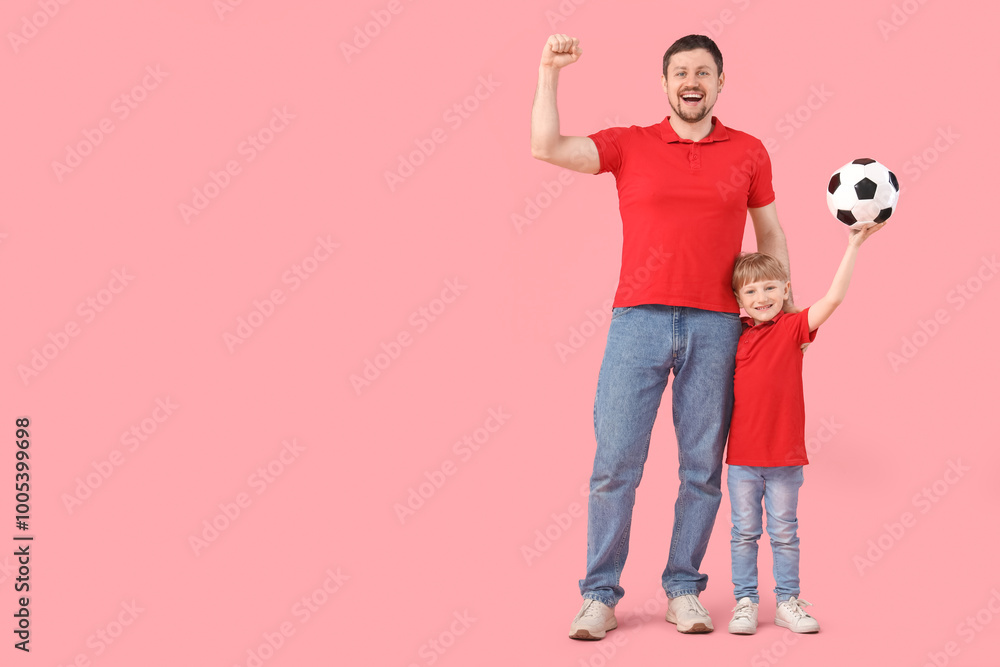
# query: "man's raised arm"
576,153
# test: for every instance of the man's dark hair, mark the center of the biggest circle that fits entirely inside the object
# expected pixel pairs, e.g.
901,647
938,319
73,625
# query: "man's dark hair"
690,43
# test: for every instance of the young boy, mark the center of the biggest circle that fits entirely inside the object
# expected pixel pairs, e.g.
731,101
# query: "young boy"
767,436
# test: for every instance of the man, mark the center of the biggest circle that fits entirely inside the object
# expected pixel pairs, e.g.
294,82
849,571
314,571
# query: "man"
685,186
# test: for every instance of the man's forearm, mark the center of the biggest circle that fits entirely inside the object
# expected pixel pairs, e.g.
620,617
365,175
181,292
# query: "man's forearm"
545,113
773,243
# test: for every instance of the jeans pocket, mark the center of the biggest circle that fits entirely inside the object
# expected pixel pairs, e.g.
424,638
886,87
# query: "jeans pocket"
615,312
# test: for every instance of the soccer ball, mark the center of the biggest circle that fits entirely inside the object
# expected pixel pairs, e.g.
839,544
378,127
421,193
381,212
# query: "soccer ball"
862,193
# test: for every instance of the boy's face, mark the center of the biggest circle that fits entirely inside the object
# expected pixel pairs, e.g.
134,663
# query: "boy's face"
764,299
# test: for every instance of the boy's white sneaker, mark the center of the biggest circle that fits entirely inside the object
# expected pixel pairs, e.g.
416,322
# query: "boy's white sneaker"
744,620
593,621
686,612
791,614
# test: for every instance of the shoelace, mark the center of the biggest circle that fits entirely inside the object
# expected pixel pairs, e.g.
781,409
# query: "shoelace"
693,604
592,611
796,606
744,610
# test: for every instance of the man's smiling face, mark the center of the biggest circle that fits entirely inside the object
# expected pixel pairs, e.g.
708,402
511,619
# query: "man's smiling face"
692,84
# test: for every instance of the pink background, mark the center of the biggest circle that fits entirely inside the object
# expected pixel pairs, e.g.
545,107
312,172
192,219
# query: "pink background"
881,429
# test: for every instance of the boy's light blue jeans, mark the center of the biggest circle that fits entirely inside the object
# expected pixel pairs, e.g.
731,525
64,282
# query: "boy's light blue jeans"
644,344
779,489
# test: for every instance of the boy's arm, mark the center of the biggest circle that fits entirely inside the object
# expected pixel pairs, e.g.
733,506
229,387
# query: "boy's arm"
547,143
821,311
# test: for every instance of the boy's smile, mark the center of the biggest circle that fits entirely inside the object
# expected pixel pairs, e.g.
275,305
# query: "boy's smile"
763,299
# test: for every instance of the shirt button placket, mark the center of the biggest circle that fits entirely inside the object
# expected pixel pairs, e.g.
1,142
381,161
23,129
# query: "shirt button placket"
694,156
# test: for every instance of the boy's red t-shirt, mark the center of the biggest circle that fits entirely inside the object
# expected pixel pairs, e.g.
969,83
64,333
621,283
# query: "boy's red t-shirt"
684,207
769,412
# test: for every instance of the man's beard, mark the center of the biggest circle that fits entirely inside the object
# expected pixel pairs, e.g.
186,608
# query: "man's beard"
692,115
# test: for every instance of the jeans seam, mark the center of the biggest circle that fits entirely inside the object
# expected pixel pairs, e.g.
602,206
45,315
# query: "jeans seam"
677,594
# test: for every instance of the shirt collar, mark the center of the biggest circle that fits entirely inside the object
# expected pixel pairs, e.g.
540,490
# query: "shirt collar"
748,322
718,133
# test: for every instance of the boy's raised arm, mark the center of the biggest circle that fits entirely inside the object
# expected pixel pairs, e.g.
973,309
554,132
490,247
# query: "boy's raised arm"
576,153
821,311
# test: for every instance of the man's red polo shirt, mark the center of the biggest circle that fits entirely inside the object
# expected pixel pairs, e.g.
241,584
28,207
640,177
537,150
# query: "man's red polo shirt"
684,208
769,412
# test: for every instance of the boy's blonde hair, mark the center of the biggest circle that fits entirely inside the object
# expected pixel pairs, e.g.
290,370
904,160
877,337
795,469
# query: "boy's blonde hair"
752,267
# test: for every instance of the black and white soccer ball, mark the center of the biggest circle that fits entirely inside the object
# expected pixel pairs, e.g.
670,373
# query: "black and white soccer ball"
862,193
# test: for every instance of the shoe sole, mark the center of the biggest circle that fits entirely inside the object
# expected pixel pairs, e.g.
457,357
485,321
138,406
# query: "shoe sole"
784,624
694,629
742,632
584,633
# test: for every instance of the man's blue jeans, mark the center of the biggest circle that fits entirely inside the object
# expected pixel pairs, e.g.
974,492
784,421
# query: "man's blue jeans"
644,344
778,487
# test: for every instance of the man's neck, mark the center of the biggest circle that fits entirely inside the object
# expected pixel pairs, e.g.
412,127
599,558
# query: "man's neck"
691,131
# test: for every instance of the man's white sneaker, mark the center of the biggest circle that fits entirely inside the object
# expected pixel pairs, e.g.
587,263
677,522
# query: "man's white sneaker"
744,620
593,621
792,615
686,612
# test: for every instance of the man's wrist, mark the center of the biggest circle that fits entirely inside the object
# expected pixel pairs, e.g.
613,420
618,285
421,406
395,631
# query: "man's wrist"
550,71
